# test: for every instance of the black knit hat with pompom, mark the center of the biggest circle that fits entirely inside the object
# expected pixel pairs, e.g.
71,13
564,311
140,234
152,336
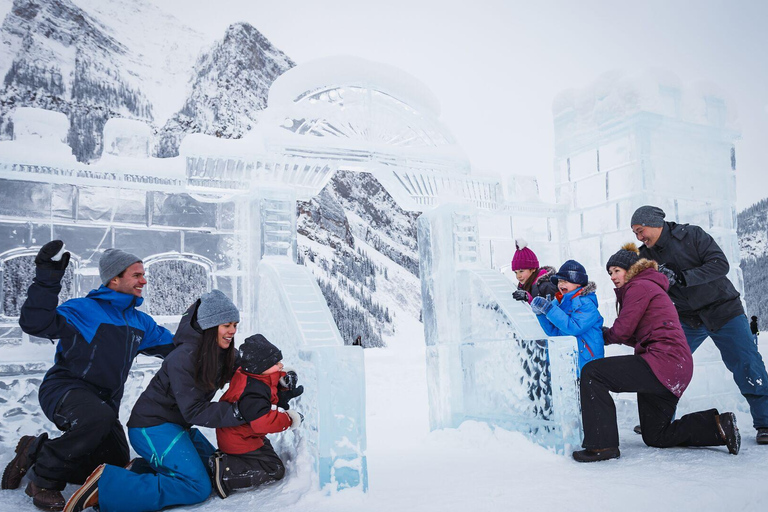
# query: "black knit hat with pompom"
625,258
257,354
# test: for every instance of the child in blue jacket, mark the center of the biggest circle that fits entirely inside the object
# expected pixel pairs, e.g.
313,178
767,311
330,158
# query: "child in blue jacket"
573,312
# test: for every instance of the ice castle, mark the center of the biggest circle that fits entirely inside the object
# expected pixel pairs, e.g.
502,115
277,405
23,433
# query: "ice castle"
223,215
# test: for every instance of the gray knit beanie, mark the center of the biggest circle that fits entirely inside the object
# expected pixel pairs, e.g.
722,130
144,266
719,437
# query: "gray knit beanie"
651,216
216,309
114,261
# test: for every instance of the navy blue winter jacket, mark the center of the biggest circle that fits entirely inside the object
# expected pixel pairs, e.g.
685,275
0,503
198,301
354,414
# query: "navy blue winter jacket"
99,337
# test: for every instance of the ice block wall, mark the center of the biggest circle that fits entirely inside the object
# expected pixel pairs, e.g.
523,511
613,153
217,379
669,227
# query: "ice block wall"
628,141
487,357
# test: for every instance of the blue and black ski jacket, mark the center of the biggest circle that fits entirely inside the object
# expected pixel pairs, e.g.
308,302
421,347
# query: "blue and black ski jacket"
99,337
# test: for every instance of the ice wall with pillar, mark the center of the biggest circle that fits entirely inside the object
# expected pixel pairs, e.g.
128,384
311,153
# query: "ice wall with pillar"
627,141
487,357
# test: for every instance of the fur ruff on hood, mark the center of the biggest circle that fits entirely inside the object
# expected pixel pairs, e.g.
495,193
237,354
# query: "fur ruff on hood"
639,266
550,271
588,288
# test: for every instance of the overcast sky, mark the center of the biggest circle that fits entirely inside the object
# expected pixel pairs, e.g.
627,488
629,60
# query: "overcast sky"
496,66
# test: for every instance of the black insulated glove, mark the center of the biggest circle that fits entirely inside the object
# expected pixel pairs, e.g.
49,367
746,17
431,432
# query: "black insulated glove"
45,257
288,394
671,275
520,295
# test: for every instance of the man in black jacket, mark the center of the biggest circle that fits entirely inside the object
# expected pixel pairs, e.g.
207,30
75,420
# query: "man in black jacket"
706,301
99,337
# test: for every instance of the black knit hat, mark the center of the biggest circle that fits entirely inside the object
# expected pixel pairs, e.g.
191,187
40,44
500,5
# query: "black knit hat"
258,355
625,258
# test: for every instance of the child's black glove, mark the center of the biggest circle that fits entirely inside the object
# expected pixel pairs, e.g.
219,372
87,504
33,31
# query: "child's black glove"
520,295
288,394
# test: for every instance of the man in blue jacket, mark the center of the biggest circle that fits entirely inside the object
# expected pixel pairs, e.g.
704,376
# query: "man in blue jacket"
706,301
99,337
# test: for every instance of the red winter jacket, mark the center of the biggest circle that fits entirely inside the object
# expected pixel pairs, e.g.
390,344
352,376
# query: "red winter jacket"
649,322
257,396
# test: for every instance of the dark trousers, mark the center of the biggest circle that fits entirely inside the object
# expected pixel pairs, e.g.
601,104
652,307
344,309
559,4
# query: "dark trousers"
253,468
655,404
92,435
738,348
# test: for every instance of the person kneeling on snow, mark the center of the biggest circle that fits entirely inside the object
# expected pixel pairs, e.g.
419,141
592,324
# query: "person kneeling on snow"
658,372
573,312
262,389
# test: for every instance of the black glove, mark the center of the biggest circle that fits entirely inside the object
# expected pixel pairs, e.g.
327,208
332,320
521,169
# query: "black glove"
236,411
289,380
48,251
520,295
288,394
674,277
605,331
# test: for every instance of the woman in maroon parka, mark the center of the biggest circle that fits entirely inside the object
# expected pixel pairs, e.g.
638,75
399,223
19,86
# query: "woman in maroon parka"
658,372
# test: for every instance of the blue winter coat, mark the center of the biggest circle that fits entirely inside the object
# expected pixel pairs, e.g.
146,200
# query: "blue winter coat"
576,314
99,337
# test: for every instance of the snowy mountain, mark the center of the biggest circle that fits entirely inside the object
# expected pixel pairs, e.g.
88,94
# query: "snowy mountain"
98,59
362,249
753,243
230,86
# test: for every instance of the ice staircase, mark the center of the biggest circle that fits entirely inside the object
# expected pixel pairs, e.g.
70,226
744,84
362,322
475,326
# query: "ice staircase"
304,300
277,226
465,238
293,314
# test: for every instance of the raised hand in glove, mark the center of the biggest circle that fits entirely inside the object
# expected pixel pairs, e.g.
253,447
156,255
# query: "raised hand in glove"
674,277
520,295
289,380
541,306
283,395
52,256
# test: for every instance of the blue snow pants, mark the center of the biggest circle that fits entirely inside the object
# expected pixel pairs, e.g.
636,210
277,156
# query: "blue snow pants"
735,342
178,457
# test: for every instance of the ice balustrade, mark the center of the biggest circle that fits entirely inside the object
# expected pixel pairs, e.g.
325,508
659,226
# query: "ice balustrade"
647,139
487,357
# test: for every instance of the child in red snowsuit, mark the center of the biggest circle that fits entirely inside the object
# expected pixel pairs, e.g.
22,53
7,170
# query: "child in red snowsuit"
261,389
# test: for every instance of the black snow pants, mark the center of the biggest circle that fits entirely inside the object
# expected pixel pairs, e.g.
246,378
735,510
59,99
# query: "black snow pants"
655,404
92,435
253,468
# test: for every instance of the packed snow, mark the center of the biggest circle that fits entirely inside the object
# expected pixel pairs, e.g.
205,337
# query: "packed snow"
476,466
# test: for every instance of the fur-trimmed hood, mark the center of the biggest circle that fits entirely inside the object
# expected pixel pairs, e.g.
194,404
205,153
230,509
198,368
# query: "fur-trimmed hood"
641,265
545,273
589,288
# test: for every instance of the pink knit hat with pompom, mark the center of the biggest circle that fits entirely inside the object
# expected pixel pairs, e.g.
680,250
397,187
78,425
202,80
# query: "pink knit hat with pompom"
524,257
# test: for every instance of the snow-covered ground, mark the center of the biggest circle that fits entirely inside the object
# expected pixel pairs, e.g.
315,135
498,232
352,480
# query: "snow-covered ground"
476,467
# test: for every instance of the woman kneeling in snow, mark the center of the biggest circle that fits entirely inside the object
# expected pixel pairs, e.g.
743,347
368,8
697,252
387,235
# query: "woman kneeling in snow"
658,372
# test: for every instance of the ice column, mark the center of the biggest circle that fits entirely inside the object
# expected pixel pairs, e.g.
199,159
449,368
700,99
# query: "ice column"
487,357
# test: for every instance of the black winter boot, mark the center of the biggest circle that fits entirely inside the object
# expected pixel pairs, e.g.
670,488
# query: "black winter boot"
26,450
596,455
729,432
762,435
217,464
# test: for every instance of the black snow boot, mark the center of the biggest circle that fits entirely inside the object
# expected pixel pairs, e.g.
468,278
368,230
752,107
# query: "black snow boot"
729,432
762,435
217,465
596,455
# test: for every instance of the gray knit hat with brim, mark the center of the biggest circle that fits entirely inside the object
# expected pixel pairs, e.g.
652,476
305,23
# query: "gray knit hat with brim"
114,261
216,309
651,216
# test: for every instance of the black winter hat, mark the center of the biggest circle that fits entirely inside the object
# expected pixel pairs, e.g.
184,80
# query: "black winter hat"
625,257
258,354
